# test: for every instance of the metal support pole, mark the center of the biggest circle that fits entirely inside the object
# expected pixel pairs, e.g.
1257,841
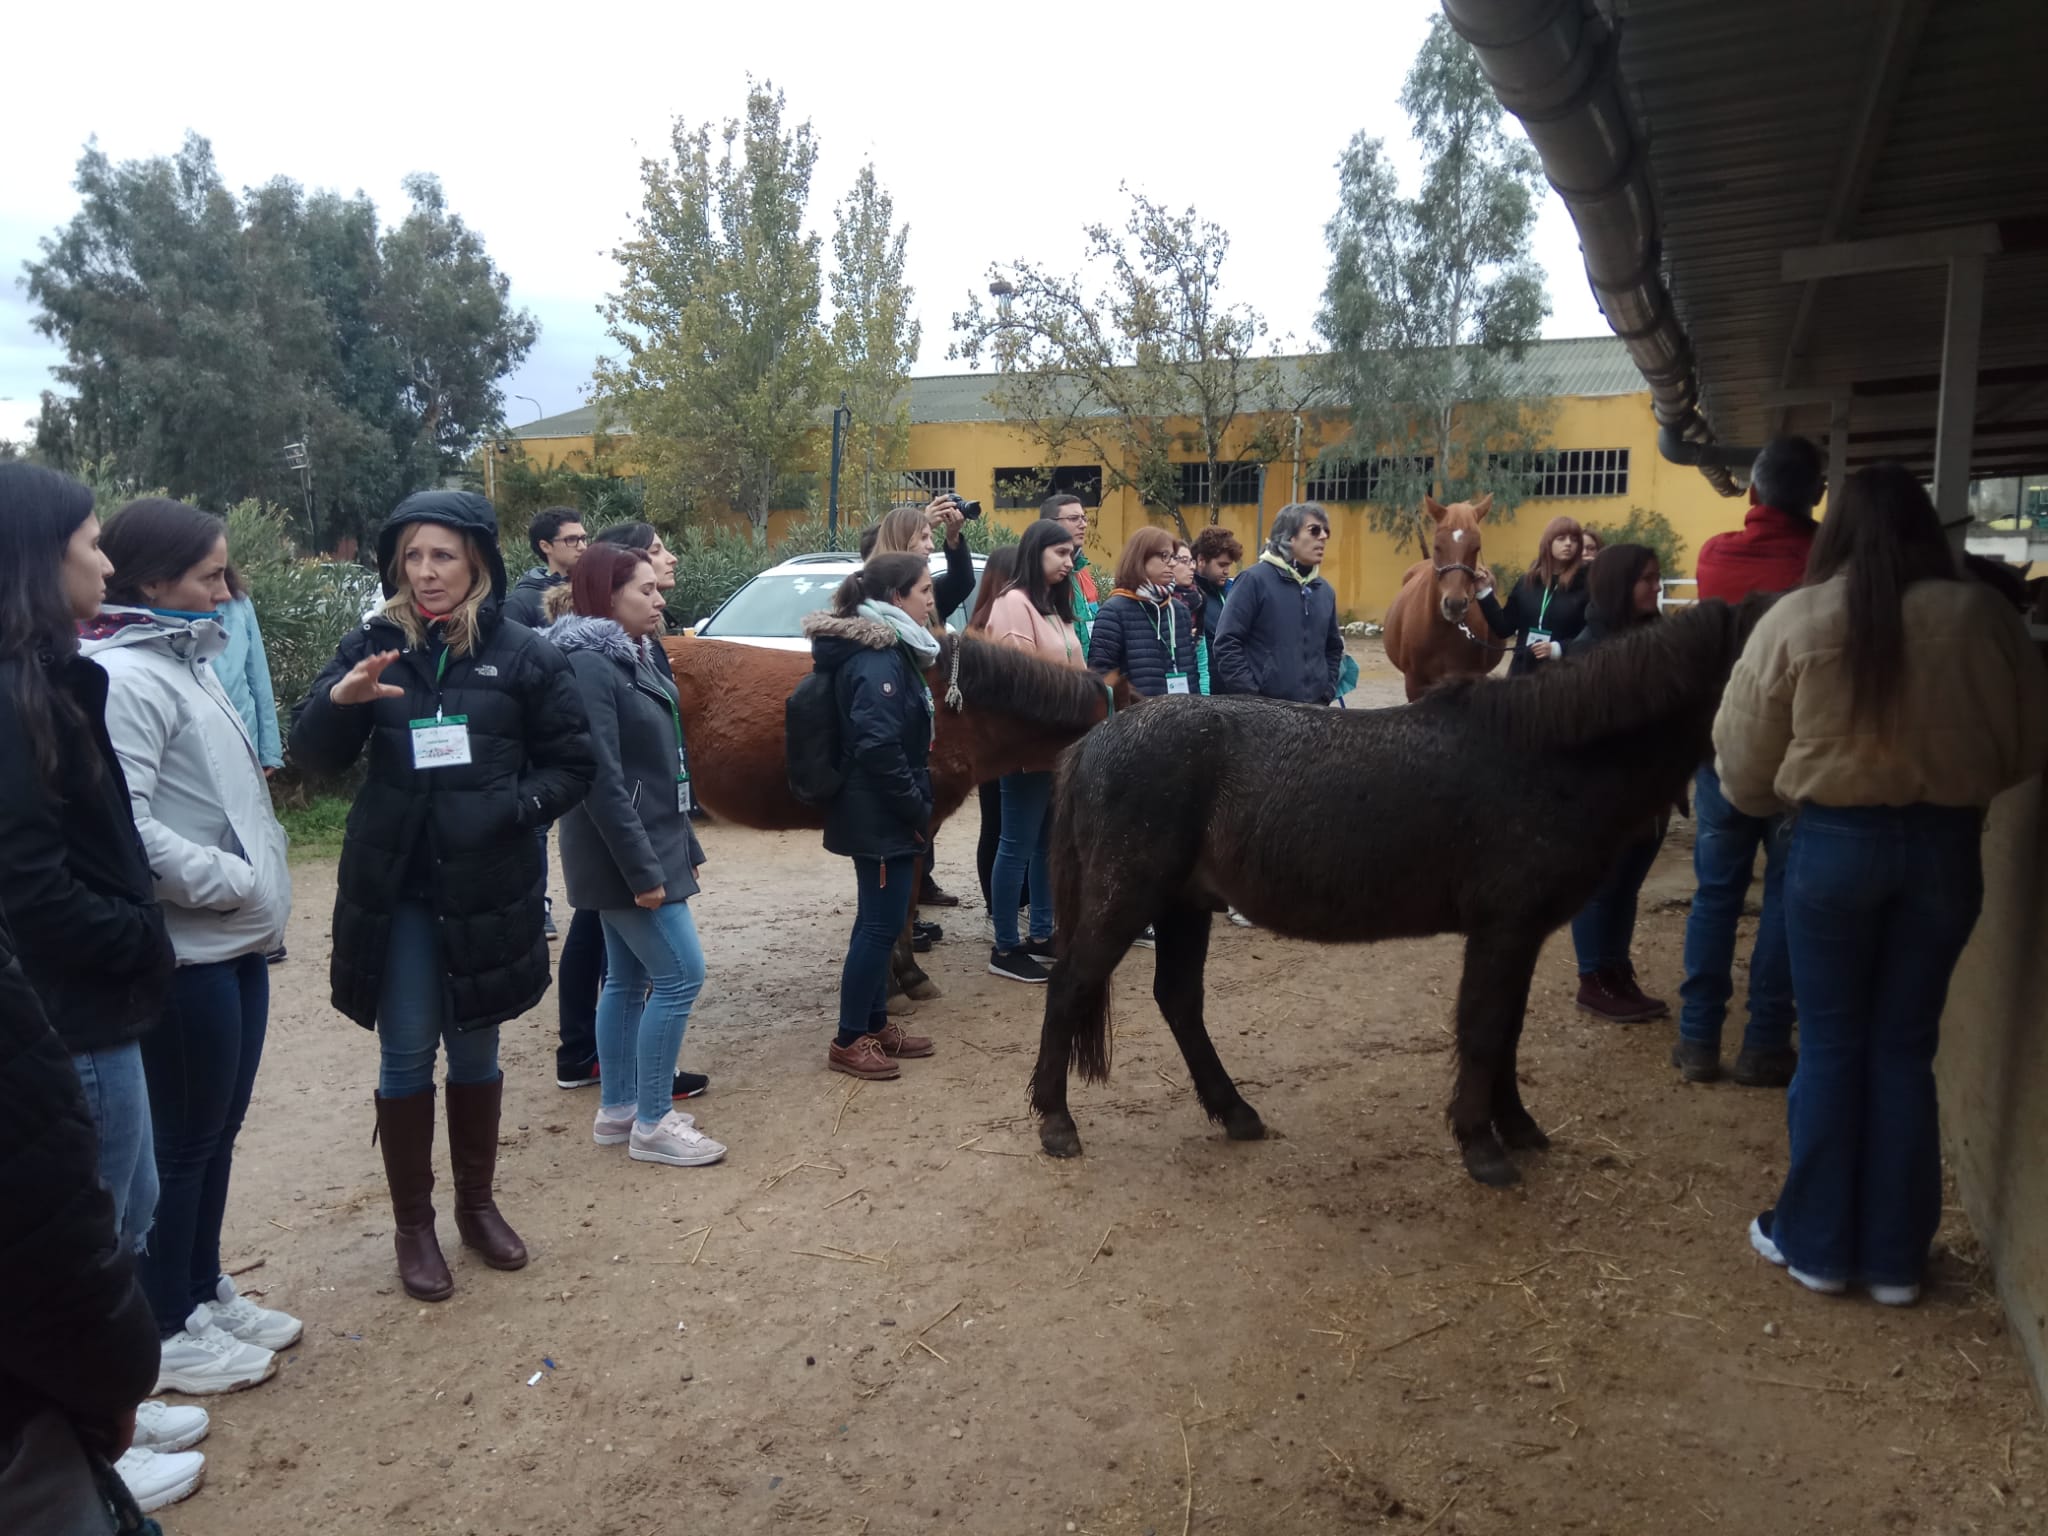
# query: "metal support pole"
841,417
1955,421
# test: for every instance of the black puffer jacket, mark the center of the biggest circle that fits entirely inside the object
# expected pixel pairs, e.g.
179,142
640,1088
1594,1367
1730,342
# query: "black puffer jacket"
463,835
526,603
84,1341
1145,641
74,883
1562,616
885,739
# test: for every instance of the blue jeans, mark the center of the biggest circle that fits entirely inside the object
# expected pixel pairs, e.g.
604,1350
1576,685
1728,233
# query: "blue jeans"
1878,906
412,1013
118,1097
1605,925
653,956
886,888
201,1065
1023,850
1723,856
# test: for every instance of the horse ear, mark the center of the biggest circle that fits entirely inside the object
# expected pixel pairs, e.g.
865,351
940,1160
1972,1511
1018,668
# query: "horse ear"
1433,507
1481,507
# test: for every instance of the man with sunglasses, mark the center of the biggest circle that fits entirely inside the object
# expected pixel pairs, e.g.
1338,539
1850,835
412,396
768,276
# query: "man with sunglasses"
1278,635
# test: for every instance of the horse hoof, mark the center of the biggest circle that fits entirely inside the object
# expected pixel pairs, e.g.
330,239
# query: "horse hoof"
1246,1126
1487,1163
1524,1135
1059,1137
924,990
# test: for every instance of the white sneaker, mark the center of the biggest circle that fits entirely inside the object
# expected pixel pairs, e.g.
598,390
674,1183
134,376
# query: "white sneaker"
1894,1295
157,1478
1146,940
1769,1251
261,1326
163,1428
614,1127
204,1358
1241,920
676,1141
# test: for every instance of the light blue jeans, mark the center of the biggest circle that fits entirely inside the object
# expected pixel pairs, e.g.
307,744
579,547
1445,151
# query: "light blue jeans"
118,1095
1023,851
655,957
412,1013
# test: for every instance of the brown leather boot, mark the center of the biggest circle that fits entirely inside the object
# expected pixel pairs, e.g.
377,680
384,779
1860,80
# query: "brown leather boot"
405,1130
1613,996
1631,992
473,1153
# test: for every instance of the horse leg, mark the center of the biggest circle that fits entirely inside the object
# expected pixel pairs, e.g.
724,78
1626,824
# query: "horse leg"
1492,993
1517,1128
906,975
1075,1033
1182,934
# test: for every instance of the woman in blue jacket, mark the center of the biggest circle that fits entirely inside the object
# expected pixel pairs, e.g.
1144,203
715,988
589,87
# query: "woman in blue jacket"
875,644
1143,631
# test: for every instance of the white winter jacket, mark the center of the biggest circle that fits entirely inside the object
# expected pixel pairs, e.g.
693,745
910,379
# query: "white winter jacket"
195,784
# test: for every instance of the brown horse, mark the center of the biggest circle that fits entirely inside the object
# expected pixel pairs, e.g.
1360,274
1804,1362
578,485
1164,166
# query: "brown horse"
1016,712
1349,827
1434,629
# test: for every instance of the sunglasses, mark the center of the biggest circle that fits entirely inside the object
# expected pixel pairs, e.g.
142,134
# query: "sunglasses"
1316,531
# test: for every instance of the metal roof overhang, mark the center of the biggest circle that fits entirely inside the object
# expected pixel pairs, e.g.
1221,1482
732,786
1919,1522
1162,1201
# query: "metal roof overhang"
1706,147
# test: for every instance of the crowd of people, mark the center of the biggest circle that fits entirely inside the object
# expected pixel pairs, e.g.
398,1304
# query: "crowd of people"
146,890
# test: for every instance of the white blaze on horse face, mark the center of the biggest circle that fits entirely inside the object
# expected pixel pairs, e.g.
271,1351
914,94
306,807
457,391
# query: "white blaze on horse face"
1457,535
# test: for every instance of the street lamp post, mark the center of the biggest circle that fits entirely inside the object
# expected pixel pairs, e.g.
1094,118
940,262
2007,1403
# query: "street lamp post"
842,418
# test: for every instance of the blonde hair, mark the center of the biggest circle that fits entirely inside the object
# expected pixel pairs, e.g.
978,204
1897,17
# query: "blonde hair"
901,532
462,629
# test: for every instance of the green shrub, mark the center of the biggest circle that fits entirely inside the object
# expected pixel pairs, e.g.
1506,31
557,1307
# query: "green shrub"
1652,529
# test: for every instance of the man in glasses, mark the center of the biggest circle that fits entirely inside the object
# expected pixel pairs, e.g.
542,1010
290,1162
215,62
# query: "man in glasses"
558,542
1278,635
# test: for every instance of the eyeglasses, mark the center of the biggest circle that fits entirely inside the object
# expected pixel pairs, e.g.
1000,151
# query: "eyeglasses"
1182,559
573,540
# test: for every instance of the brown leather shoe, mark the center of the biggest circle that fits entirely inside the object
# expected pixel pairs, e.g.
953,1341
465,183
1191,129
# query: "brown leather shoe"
1602,994
865,1058
895,1042
405,1132
932,896
473,1152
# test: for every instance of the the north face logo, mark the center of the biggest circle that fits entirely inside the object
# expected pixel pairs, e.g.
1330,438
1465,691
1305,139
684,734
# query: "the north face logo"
486,670
889,688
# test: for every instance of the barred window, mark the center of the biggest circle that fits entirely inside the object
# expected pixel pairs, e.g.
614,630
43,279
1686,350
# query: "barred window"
915,487
1342,480
1240,484
1569,471
1027,488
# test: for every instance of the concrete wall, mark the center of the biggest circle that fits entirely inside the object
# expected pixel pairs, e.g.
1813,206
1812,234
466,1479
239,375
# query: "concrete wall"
1993,1067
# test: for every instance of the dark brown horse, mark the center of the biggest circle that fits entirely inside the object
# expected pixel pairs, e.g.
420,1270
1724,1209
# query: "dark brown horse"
1491,809
1434,628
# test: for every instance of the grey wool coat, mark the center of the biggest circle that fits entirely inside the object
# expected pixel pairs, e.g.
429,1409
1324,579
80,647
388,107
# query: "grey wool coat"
629,834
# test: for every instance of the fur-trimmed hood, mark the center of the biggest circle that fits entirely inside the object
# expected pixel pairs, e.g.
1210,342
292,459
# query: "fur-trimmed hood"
557,601
868,634
607,637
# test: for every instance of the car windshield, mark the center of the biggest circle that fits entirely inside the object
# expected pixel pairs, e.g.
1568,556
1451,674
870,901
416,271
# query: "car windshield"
774,604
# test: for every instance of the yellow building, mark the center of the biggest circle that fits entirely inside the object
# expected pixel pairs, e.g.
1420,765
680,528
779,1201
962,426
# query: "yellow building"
1602,435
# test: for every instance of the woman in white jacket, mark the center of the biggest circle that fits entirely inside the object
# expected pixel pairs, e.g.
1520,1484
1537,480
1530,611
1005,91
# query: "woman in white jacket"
196,785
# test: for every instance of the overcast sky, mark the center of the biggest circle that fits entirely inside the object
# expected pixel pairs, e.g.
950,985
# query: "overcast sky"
999,130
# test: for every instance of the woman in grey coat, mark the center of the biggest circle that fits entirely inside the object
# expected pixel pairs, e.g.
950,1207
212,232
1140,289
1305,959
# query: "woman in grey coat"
629,854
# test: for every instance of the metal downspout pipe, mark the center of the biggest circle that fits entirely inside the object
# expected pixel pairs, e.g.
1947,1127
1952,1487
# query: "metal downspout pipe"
1552,64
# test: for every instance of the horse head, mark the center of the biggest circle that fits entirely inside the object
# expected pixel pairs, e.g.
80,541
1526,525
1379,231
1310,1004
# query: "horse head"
1454,551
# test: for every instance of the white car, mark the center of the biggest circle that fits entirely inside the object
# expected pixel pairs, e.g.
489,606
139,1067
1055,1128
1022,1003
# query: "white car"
770,610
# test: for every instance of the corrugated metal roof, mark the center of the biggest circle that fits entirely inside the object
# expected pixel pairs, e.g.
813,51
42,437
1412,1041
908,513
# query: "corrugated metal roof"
1570,366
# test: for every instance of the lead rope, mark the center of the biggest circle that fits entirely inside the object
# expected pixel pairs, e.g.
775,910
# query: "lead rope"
955,699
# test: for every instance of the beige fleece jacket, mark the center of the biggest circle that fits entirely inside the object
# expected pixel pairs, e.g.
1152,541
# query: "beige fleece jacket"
1973,716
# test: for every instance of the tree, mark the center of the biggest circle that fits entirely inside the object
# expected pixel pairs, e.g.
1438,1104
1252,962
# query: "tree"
1432,300
874,341
1154,370
203,331
722,367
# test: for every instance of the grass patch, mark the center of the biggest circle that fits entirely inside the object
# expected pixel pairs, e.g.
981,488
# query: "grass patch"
316,826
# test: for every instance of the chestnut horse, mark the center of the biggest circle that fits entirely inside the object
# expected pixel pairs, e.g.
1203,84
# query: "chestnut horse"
1016,712
1434,628
1349,827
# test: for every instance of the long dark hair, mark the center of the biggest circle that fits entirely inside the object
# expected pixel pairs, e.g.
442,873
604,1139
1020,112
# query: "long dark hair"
152,540
1029,577
638,536
39,512
882,580
1545,570
1883,534
1611,588
998,574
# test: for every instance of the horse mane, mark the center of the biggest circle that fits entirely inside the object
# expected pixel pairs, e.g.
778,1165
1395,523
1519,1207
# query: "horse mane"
1003,678
1654,672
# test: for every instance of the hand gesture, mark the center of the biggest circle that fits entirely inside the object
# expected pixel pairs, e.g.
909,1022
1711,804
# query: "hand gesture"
651,900
362,685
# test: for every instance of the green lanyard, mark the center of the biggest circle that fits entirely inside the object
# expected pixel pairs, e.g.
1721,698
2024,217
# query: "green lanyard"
1171,639
1548,592
440,671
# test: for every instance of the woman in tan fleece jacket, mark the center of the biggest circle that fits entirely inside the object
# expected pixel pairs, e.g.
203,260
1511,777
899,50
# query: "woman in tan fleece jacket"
1887,702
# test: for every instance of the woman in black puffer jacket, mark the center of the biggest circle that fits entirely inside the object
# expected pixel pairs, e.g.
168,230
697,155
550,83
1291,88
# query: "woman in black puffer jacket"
1144,631
476,735
875,645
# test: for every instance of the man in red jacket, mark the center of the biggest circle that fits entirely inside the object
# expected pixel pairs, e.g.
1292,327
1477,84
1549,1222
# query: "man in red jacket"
1768,555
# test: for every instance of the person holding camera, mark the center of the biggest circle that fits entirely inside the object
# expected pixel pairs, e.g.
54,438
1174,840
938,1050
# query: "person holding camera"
908,531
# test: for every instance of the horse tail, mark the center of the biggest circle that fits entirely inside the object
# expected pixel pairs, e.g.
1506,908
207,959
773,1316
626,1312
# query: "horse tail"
1088,1027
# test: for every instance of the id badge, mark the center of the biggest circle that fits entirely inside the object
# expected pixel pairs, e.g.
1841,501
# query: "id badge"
1176,682
440,743
683,793
1538,637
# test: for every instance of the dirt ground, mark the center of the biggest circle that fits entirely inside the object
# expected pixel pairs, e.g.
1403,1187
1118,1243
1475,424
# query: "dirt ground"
886,1312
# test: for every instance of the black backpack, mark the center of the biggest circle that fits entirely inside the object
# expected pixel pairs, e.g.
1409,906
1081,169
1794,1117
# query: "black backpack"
810,741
